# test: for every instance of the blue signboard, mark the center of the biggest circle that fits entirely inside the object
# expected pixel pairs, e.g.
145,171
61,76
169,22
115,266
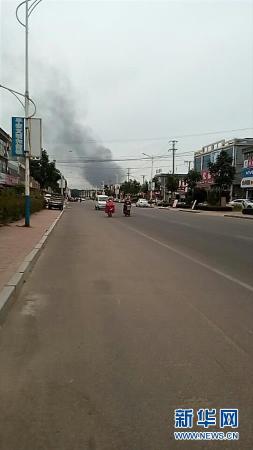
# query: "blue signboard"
18,136
247,172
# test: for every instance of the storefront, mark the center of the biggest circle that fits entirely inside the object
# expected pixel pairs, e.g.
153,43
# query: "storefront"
247,175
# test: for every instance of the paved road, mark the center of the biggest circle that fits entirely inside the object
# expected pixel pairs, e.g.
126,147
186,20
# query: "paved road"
124,320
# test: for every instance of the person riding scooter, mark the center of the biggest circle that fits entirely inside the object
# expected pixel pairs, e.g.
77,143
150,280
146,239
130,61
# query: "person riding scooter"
110,207
127,206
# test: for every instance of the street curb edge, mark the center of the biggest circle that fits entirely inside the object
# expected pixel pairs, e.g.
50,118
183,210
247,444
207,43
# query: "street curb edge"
10,290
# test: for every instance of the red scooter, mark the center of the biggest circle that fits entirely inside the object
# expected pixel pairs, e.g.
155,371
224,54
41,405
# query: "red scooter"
110,209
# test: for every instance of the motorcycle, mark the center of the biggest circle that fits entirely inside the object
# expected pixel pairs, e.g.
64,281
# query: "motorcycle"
127,210
110,210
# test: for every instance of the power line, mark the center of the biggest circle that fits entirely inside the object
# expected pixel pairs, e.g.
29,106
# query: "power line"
163,138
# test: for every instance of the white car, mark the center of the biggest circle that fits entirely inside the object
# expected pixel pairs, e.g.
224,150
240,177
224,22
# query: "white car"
237,201
142,203
247,203
100,201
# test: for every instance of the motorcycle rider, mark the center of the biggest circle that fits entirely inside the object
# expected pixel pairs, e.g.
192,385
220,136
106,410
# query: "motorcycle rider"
109,205
126,203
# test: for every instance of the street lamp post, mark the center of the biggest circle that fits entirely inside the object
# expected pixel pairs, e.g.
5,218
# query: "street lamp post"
28,11
152,168
27,146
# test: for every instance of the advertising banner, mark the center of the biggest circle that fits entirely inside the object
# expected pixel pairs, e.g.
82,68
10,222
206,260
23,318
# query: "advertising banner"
247,182
35,137
18,136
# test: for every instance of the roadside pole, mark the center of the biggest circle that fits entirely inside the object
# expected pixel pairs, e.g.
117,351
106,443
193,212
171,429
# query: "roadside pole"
27,143
164,191
62,184
152,168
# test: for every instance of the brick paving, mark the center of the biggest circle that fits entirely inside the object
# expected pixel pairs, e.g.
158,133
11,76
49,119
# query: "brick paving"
17,241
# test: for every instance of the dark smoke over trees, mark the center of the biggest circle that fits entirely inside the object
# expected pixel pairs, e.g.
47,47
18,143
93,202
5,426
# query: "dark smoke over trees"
68,138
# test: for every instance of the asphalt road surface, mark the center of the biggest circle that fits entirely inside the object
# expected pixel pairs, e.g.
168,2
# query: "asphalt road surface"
124,320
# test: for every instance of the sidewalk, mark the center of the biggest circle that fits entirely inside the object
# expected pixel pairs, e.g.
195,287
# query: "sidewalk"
17,241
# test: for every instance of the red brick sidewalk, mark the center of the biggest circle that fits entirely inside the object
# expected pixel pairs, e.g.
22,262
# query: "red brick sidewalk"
17,241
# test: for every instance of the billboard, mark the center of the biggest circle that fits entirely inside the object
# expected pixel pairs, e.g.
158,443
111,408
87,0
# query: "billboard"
247,174
18,136
35,137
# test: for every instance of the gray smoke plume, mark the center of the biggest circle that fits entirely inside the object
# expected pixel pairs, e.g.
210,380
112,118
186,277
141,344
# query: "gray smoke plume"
67,138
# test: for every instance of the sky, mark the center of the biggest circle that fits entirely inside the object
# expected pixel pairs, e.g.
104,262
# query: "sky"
115,79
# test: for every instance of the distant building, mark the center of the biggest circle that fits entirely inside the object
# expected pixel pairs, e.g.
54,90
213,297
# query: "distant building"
5,146
12,169
247,172
234,148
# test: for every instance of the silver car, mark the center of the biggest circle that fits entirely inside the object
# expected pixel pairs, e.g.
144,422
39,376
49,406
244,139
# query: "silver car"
142,203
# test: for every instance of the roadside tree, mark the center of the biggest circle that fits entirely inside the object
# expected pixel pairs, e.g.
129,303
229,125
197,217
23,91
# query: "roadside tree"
192,179
131,187
223,172
45,172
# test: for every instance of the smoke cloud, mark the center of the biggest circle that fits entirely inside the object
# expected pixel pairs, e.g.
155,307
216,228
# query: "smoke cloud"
67,137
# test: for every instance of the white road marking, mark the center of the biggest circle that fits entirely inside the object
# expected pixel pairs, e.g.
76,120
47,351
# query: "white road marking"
195,260
245,238
217,329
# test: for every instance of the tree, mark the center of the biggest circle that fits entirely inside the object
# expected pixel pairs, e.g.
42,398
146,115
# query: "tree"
172,183
45,172
131,187
192,179
223,171
157,184
108,190
144,187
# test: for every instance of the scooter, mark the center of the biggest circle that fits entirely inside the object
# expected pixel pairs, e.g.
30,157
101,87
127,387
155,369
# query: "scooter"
127,210
110,211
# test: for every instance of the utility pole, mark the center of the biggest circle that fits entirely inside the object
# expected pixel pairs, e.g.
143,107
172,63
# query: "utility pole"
173,149
189,164
143,179
164,188
27,147
62,184
128,174
152,157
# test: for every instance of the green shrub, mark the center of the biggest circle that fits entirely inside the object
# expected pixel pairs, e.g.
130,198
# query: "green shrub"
213,198
237,207
12,203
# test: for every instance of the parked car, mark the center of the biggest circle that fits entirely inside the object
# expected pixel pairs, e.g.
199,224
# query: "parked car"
247,206
100,201
236,201
142,203
47,198
56,202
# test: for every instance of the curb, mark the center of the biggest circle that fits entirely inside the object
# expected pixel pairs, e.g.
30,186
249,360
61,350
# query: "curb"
12,287
190,211
238,217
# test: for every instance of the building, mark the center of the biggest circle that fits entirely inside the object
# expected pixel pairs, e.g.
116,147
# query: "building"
234,148
12,168
247,172
5,146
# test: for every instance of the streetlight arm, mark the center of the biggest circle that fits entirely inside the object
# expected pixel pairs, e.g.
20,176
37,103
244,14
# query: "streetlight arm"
21,23
30,9
33,6
22,95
